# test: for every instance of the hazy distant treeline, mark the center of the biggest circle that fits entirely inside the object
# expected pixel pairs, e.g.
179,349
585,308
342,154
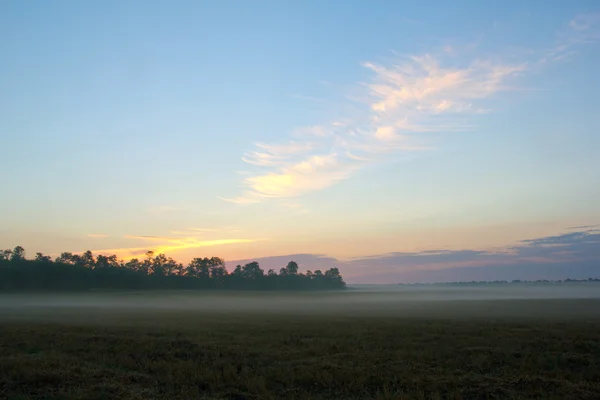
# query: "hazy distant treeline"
513,282
85,271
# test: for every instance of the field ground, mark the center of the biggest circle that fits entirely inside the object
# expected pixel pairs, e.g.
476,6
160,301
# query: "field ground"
484,349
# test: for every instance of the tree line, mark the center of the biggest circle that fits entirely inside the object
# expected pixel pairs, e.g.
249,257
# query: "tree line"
504,282
86,271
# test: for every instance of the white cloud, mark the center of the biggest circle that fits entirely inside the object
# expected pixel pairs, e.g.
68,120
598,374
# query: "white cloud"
399,101
312,173
421,86
385,132
275,154
390,114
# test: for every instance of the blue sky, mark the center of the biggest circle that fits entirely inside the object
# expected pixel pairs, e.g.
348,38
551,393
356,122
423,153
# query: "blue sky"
340,129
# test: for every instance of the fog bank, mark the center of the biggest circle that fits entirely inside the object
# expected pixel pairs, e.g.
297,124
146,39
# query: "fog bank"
558,300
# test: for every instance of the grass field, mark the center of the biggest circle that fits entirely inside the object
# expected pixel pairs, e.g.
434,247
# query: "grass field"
336,347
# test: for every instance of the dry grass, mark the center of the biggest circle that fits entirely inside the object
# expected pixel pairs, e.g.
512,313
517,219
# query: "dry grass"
192,355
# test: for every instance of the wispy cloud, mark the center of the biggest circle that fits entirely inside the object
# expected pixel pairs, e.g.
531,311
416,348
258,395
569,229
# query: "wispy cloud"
193,243
421,87
584,227
195,231
586,23
168,245
392,111
161,238
187,238
276,155
391,114
581,30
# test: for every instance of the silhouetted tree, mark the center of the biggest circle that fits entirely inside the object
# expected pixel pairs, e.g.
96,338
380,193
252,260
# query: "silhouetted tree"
170,266
39,257
178,268
146,265
18,254
217,268
134,264
252,271
157,265
292,268
199,268
5,254
333,276
87,260
65,258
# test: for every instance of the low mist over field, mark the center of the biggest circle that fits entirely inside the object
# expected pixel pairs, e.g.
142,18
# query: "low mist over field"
446,301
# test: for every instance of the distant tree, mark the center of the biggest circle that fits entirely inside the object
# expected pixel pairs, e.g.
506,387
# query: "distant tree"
157,266
77,260
39,257
252,271
292,268
65,258
199,268
18,254
5,254
134,264
87,259
170,267
178,269
113,261
103,261
146,265
217,268
333,275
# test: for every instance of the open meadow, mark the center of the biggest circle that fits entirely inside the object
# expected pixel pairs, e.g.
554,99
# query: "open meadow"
510,342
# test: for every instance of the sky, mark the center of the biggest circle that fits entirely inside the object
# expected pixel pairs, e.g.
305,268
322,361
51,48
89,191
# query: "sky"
400,141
